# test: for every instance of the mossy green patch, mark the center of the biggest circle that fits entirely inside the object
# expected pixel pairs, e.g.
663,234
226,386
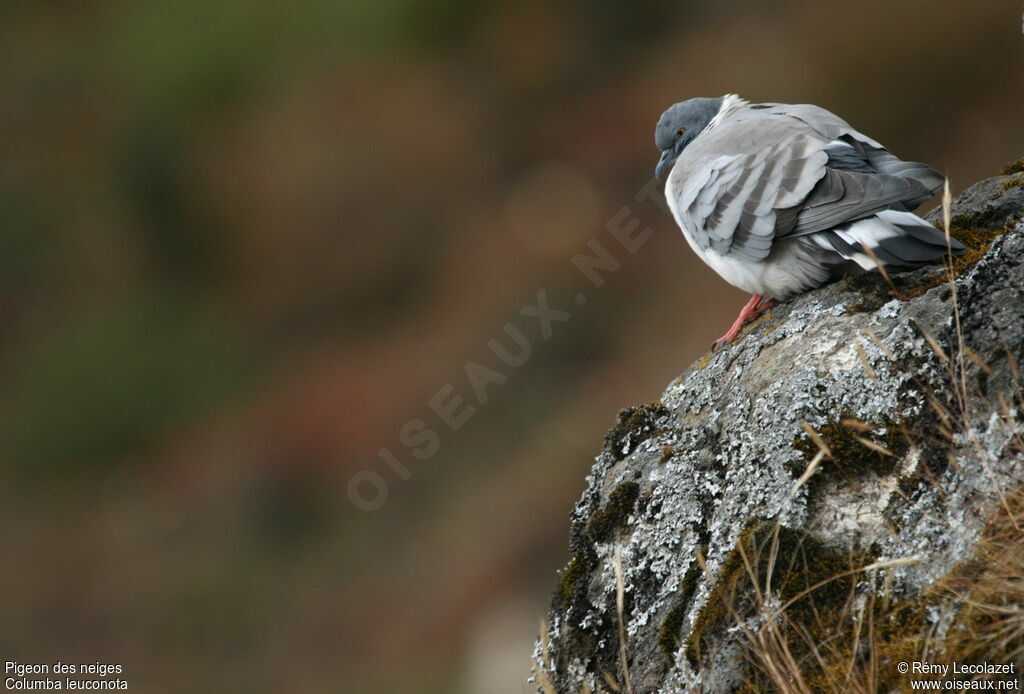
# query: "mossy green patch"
668,633
872,290
983,596
853,456
902,630
605,521
891,632
635,424
814,580
573,580
972,232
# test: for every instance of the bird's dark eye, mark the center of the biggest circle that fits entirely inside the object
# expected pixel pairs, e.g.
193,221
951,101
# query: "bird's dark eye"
679,133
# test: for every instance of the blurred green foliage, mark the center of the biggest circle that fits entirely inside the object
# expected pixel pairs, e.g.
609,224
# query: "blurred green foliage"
27,246
106,383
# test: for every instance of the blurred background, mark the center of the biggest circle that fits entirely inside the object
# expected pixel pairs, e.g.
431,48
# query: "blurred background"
244,245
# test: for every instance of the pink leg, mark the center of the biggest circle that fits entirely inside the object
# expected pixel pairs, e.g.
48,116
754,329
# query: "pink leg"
755,307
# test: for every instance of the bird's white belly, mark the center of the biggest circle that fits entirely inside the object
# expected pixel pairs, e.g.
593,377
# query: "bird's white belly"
788,270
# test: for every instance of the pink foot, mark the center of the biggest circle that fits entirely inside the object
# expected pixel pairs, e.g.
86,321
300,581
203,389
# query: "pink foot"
755,307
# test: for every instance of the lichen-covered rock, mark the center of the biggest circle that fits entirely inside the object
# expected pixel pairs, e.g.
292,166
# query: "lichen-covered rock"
911,389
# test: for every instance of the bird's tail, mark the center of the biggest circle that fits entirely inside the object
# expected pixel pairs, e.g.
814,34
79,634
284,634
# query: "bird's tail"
899,240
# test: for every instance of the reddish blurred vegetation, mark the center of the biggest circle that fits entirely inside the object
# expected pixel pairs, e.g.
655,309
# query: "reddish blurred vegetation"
242,245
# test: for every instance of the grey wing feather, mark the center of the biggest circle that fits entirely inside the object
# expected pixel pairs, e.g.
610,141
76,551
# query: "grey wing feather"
887,163
849,154
880,160
827,124
734,209
843,196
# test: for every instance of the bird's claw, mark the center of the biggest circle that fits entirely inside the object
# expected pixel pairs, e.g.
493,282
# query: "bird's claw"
754,308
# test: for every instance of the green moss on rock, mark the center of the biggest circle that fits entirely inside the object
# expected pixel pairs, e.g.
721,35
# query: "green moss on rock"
668,633
872,290
986,592
972,232
813,578
635,424
605,521
851,458
572,580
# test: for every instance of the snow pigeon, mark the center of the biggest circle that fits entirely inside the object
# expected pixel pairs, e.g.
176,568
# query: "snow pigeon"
779,199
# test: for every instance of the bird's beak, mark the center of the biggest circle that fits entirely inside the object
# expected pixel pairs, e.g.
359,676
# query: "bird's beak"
666,160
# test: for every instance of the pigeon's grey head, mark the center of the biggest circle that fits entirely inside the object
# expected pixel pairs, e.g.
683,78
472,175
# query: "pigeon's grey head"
679,125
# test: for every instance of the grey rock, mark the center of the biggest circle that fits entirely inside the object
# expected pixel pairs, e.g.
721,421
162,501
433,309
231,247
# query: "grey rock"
724,448
989,203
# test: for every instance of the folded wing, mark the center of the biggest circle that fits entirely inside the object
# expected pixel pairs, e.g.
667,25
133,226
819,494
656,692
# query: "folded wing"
787,171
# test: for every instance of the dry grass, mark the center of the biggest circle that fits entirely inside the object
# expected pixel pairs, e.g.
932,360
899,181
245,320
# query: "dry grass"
992,589
855,649
620,592
792,656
